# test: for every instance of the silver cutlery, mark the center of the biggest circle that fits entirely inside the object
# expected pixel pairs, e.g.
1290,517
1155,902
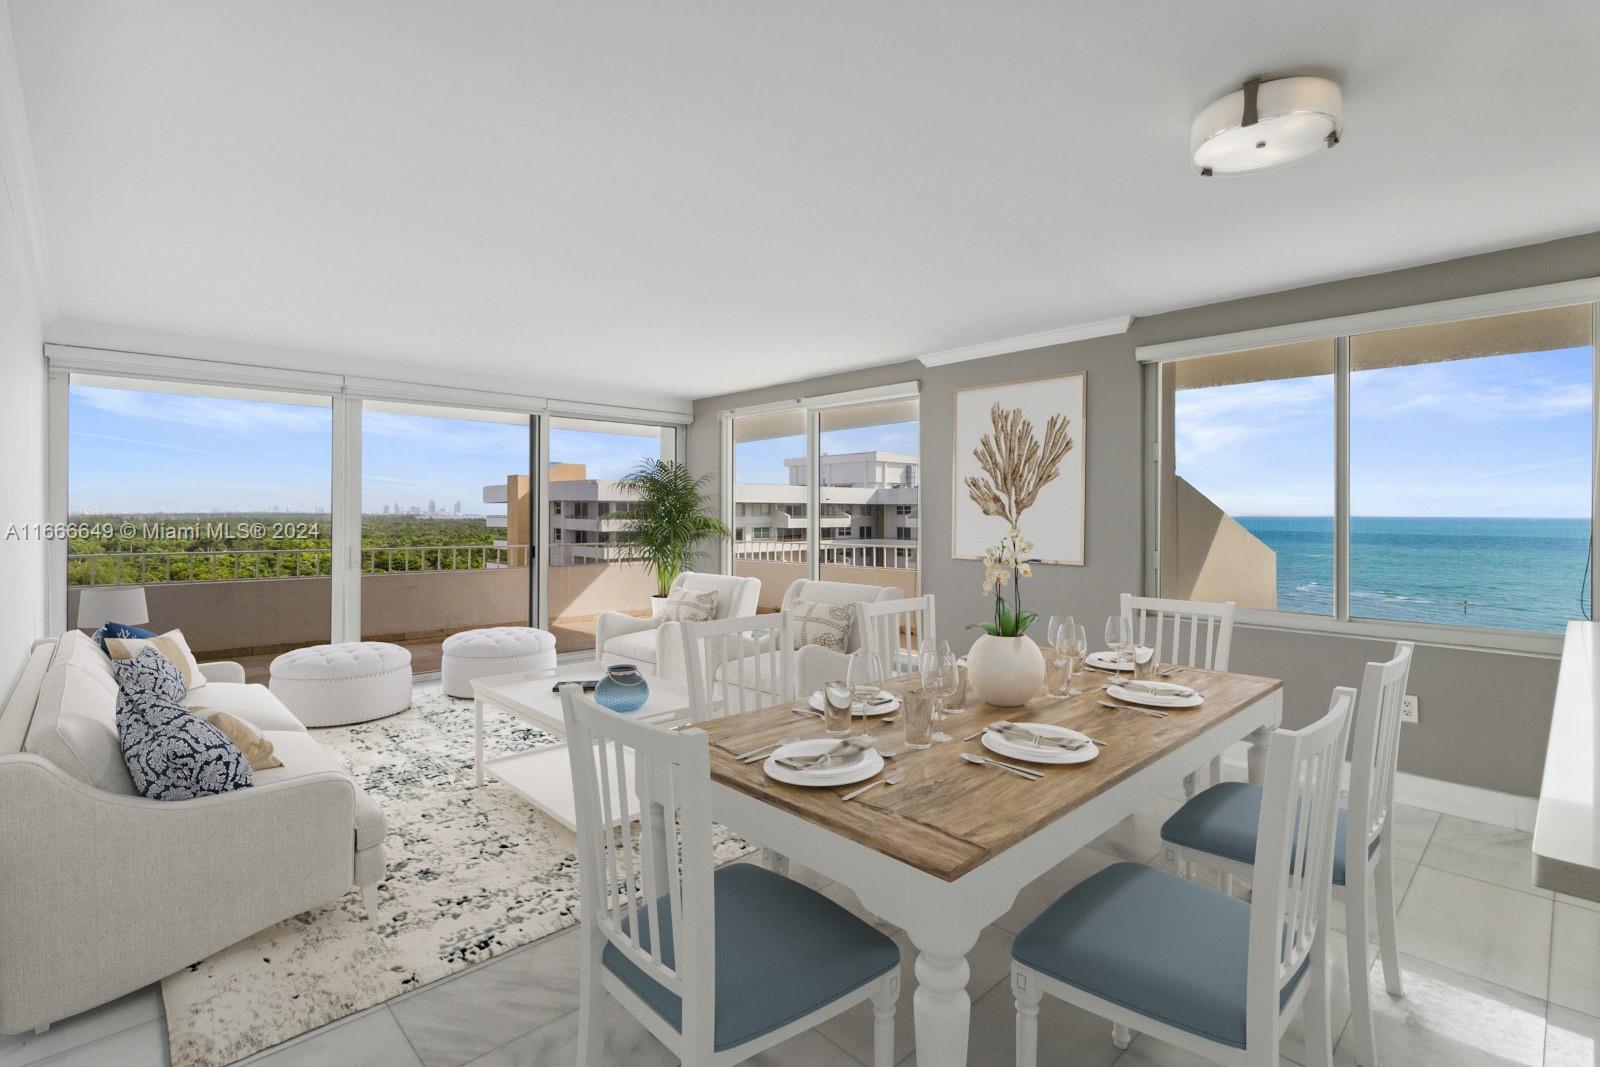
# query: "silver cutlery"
1152,712
1020,772
1038,740
1065,741
893,779
757,753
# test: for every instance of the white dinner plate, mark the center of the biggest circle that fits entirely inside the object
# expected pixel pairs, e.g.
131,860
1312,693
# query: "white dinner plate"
1158,695
819,702
1005,746
1108,661
868,765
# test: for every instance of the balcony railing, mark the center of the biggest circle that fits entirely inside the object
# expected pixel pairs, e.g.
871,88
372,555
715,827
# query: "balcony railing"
246,564
890,555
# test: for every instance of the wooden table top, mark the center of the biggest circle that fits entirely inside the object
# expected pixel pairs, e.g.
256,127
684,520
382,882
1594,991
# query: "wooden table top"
949,816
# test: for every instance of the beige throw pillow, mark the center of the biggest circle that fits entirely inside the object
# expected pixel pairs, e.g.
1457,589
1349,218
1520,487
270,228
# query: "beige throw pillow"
170,644
257,749
688,606
826,625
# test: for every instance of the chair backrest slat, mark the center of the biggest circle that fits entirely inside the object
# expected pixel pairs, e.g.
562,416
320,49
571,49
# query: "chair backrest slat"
1375,748
738,665
896,629
1294,855
1207,627
626,773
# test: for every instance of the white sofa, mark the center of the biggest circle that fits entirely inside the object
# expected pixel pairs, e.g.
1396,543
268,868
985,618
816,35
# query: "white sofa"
656,644
107,891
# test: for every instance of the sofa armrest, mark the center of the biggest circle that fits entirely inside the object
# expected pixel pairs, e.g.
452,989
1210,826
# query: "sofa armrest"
223,670
108,892
609,624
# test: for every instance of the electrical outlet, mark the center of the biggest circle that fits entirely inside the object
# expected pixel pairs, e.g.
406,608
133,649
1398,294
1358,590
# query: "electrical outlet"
1408,709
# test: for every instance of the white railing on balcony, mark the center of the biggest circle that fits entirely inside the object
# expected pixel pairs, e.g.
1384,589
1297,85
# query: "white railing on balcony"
890,555
248,564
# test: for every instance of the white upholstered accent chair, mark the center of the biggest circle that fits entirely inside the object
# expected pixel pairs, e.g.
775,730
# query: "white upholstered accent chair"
1218,829
1188,632
1197,968
816,665
717,964
655,644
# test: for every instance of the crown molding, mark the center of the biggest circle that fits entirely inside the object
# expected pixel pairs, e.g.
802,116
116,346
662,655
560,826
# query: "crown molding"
17,169
984,349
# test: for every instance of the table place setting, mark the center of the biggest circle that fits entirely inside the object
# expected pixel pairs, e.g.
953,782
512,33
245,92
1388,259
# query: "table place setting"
1156,694
823,762
1037,742
884,703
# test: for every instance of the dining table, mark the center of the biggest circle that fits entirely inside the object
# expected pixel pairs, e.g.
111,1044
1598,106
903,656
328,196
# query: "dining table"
945,851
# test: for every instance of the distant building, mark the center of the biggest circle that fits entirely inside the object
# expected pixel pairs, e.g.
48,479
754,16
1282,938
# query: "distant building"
868,499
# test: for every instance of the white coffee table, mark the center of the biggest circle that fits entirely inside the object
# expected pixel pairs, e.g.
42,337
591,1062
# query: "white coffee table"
543,777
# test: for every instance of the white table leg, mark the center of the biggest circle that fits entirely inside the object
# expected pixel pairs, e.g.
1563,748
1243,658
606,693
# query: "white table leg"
477,739
1256,757
943,1011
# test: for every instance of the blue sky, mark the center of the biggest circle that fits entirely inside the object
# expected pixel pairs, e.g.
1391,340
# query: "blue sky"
133,451
1497,436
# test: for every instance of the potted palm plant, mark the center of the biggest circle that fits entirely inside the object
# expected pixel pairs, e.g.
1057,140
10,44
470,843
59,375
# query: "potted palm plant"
672,515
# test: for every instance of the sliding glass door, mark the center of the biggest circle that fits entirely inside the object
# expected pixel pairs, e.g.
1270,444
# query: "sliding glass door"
446,524
861,520
212,501
590,568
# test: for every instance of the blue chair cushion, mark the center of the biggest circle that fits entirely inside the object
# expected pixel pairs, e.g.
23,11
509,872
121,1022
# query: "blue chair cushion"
120,630
783,950
1169,949
1222,820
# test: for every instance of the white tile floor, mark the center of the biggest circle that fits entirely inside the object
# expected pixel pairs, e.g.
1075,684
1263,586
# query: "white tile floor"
1496,971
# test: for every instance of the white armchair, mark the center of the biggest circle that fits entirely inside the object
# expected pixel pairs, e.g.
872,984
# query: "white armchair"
815,665
656,644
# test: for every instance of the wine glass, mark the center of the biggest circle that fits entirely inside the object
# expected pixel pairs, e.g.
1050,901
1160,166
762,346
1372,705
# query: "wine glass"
940,677
1119,635
1060,632
1077,652
865,675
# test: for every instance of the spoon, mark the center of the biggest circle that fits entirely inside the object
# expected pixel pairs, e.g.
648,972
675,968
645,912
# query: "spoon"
893,779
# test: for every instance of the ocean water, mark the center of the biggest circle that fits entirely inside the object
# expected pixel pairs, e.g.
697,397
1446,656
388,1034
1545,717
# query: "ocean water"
1503,574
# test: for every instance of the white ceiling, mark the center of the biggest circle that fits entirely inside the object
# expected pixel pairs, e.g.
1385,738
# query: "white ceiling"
689,199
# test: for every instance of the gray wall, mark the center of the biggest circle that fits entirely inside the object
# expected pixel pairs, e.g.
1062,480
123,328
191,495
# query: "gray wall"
1484,716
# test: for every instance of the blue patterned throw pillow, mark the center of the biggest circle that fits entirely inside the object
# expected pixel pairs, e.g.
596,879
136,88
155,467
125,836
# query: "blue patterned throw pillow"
150,675
119,629
173,755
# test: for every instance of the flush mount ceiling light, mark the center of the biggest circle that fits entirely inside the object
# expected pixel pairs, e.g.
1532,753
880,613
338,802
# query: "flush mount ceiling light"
1266,124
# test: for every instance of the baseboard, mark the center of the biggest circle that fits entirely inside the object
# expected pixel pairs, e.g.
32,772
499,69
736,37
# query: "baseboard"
1449,798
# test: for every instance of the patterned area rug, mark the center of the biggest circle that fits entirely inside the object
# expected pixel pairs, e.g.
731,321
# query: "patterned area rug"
472,873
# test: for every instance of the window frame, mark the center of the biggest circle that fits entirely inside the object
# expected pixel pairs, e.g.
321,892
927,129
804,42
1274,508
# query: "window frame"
1341,329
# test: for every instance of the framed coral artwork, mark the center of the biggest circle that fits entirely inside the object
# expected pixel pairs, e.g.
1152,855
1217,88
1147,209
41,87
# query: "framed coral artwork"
1018,462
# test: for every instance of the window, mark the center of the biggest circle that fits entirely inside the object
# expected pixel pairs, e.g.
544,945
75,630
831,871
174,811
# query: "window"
453,551
867,450
769,481
216,500
1468,447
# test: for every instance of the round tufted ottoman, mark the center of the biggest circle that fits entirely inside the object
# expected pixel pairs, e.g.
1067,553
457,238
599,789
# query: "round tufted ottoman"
497,650
333,685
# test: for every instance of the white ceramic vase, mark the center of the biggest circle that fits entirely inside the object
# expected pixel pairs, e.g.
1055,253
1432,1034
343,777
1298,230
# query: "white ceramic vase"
1005,671
658,604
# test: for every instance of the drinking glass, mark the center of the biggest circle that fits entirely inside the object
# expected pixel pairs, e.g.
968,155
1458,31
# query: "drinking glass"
836,708
941,676
865,675
1144,662
1119,635
918,710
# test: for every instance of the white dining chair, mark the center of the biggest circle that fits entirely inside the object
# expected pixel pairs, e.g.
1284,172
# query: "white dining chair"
1218,829
1199,969
718,964
1191,633
738,665
896,629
